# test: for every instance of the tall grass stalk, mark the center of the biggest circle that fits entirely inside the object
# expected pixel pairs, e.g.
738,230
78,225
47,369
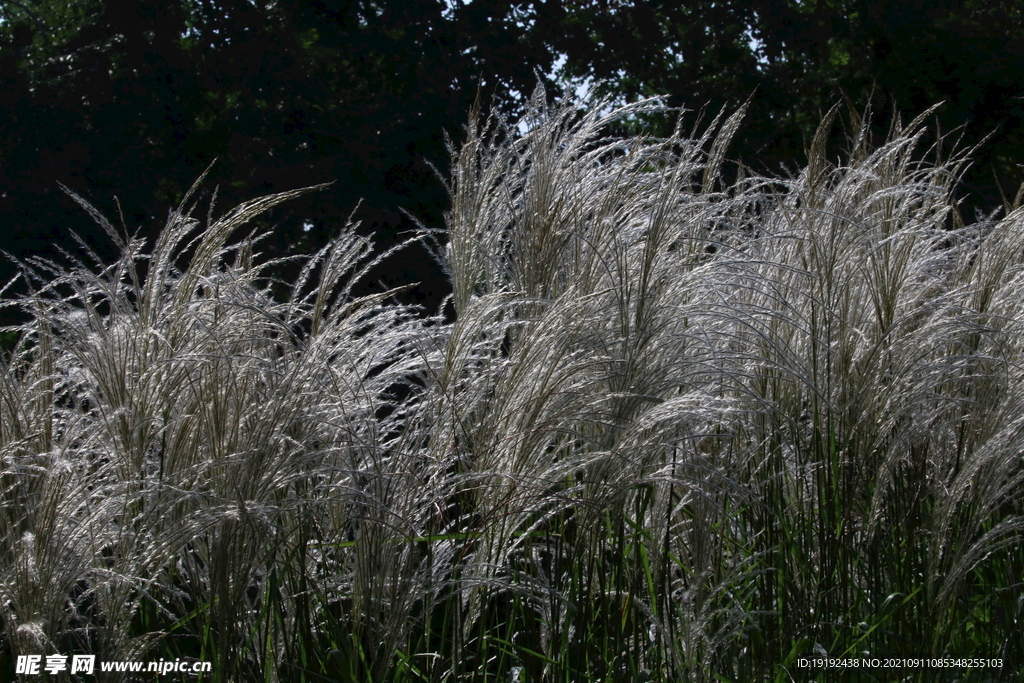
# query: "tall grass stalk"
676,430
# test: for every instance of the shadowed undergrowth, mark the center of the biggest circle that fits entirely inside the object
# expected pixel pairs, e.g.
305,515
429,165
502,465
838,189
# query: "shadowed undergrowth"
674,430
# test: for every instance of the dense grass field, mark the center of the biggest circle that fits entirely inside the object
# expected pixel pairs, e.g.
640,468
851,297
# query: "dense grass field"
664,429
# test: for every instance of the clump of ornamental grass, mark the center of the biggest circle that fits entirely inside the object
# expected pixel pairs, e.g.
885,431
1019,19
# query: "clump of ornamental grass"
183,454
676,430
884,386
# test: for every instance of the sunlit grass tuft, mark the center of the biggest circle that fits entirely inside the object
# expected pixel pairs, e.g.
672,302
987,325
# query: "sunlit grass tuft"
675,431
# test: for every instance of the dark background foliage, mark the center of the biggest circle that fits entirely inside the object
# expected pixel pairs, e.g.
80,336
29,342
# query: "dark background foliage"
135,98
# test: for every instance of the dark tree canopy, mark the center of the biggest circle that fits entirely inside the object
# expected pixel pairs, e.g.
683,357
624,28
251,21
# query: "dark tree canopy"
798,58
136,98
